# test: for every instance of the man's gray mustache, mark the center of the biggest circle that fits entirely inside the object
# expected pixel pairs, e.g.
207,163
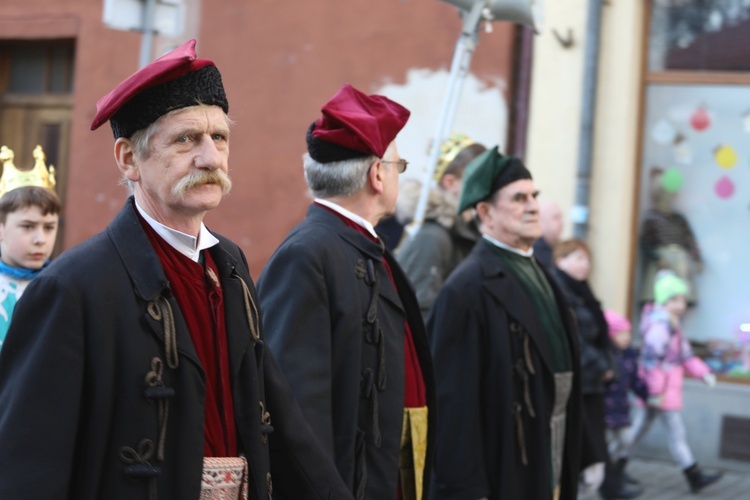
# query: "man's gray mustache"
202,177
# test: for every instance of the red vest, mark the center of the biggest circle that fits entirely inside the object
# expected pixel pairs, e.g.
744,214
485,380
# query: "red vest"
198,292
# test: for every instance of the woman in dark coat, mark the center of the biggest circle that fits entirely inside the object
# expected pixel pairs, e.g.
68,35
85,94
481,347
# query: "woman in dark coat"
572,269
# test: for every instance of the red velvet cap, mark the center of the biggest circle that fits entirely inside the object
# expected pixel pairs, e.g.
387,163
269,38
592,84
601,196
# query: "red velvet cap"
358,122
152,88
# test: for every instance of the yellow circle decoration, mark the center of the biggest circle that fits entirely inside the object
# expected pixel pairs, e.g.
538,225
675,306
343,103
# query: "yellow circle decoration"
725,157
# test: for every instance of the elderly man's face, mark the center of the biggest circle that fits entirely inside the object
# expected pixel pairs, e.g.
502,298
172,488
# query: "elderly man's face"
551,219
390,188
513,218
185,174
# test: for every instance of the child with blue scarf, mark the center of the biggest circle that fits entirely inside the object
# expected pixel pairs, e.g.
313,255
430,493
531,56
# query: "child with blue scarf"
28,228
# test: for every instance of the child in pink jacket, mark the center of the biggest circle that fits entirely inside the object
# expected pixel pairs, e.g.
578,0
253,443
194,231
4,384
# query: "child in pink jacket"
665,358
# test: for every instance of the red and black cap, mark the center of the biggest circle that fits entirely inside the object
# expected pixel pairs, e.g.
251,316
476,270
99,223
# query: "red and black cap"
176,80
355,125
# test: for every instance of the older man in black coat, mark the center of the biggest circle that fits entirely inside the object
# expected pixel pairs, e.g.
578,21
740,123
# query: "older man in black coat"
135,366
340,314
506,355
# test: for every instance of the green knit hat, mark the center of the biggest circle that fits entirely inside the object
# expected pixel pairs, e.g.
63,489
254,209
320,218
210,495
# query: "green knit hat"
667,285
486,174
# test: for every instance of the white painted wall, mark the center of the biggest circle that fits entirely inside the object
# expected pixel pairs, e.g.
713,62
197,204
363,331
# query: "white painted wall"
482,113
554,131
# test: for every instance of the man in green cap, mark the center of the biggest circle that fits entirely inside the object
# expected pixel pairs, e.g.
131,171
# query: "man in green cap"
505,353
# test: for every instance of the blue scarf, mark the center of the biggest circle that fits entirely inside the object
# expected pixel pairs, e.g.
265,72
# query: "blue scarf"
21,272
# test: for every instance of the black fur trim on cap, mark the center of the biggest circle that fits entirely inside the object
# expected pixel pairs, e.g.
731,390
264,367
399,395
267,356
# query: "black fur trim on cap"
199,87
512,172
326,152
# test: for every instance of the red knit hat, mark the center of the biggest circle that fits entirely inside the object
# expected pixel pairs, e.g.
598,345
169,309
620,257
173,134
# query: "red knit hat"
176,80
355,124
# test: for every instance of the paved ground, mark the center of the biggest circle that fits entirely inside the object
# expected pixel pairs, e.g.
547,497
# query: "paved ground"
662,480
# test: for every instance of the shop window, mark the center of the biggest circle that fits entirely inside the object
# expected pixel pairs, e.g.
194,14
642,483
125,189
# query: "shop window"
694,199
699,35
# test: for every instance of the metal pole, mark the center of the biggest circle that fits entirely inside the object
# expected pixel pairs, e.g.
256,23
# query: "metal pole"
459,68
580,212
147,40
519,118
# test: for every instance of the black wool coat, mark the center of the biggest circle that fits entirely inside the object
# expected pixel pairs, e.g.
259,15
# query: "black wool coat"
336,325
487,345
596,356
84,377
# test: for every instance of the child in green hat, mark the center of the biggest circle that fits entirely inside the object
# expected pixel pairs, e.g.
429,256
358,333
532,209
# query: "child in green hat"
665,357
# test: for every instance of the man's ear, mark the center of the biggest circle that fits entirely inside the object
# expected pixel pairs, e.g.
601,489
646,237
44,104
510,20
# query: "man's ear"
125,158
376,176
483,211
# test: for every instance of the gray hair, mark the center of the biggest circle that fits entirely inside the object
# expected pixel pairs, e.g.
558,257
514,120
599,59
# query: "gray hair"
337,178
141,140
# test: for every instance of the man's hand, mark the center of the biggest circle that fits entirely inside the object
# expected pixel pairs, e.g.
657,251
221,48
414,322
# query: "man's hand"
591,478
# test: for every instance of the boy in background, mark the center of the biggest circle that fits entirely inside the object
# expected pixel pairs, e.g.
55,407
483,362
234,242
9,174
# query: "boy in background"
29,213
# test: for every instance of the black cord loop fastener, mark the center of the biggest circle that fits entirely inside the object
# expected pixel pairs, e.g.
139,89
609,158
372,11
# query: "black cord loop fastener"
138,466
157,391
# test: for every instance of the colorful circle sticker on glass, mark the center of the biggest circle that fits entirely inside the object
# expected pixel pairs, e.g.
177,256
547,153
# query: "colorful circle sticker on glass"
700,120
725,156
663,132
672,180
724,187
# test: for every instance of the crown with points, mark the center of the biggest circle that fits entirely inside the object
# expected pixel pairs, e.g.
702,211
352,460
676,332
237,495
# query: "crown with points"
449,149
13,178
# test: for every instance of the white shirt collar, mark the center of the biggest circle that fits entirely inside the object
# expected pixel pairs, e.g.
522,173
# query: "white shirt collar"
187,245
523,253
349,215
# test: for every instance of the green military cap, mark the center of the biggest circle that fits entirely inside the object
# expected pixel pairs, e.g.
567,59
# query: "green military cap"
487,173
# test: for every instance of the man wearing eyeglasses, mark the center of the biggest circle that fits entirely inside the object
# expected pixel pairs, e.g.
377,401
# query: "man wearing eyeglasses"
339,313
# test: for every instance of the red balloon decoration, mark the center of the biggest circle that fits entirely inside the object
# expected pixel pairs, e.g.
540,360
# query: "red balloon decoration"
700,119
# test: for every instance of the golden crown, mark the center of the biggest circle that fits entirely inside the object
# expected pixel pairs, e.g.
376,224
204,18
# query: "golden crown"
449,149
14,178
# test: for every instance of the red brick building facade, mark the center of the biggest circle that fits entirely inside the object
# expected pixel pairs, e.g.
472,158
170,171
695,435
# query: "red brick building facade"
280,62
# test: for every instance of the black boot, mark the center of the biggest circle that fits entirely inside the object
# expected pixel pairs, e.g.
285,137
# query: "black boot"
626,478
614,487
697,479
625,491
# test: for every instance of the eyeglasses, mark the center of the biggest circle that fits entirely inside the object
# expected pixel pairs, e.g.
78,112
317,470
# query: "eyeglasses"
402,164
